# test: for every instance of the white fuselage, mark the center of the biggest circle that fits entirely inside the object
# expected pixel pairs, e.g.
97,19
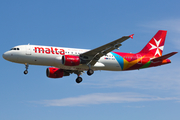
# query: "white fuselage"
52,56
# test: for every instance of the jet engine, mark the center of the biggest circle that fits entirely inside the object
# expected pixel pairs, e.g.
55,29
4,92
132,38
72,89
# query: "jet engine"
53,72
71,60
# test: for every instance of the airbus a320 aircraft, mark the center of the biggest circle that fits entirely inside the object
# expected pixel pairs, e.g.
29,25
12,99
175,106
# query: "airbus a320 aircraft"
66,61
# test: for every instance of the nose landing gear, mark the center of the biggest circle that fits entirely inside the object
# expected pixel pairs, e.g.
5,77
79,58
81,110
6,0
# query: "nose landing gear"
26,71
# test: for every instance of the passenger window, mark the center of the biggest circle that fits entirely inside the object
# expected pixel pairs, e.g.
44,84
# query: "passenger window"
17,48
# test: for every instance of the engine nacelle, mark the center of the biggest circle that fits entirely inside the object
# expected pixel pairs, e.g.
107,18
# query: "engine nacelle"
70,60
53,72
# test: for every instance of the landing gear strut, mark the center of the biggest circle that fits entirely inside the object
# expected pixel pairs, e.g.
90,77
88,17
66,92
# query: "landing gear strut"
26,71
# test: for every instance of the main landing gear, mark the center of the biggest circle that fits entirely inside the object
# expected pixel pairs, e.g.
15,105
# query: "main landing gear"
90,72
26,71
78,79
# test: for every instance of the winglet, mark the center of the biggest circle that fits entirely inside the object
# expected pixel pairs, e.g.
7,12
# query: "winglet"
131,36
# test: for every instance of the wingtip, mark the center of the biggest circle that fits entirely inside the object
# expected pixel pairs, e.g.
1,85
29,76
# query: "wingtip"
174,53
131,36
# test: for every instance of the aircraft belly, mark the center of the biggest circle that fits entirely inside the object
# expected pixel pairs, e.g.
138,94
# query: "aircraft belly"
111,65
44,59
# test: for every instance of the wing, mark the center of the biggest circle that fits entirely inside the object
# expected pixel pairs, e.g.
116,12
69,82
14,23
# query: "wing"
92,56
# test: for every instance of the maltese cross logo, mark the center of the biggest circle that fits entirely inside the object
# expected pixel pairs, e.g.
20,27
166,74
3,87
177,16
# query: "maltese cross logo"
157,47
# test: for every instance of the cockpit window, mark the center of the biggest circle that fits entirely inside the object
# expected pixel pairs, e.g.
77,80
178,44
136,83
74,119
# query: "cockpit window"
14,49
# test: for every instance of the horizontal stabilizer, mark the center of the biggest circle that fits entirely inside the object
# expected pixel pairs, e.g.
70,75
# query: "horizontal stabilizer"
163,57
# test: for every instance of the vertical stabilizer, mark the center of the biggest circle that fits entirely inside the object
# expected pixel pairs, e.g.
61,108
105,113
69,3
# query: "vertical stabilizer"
155,45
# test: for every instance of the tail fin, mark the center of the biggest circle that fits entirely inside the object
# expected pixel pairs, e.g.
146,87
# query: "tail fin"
155,45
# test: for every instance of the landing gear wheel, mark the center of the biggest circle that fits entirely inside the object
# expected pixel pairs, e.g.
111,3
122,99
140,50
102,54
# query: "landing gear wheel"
25,72
79,79
90,72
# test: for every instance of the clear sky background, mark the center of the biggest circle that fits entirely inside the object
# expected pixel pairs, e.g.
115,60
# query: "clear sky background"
148,94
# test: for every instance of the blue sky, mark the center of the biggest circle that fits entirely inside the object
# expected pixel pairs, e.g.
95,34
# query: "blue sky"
141,94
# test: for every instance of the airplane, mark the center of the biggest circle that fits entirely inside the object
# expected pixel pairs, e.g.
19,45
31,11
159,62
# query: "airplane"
65,61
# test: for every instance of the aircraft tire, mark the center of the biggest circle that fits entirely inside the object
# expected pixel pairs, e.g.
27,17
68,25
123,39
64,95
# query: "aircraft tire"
25,72
79,80
90,72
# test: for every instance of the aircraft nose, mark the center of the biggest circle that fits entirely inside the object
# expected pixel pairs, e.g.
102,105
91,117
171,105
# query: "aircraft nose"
5,56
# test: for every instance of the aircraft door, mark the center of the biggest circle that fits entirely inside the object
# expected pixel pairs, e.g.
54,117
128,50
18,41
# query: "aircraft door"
28,50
